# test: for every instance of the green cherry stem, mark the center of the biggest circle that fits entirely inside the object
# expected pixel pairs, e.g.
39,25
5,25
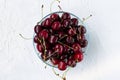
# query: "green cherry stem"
84,19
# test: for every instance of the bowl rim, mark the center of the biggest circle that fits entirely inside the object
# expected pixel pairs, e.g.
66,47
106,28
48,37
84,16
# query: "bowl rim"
35,49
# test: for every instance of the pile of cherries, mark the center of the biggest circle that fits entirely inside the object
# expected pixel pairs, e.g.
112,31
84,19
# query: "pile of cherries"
60,39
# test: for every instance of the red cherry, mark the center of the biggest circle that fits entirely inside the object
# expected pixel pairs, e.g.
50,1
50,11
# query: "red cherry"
76,47
46,23
37,29
84,43
39,48
65,23
58,48
78,56
53,39
66,16
71,63
74,22
55,61
54,16
71,32
69,40
62,65
43,34
36,39
56,25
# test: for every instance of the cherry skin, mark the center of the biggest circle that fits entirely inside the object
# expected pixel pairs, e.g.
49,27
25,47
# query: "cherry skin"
58,48
47,22
76,47
39,48
65,16
55,61
78,56
62,65
56,25
74,22
37,29
54,16
53,39
36,39
83,30
71,63
43,34
71,32
65,23
69,40
84,43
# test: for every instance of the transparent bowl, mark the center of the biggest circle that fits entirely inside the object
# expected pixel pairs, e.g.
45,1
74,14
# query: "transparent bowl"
48,62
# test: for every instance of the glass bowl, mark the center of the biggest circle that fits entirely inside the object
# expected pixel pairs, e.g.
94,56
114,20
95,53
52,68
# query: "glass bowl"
48,62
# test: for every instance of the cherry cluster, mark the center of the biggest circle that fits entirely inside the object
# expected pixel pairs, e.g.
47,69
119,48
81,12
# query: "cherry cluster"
60,39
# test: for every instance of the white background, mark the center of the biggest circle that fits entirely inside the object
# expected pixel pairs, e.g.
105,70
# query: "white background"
18,60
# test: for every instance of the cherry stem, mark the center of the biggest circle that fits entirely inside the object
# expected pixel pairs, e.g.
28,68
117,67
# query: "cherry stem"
52,54
65,44
84,19
42,11
63,37
52,4
24,37
65,73
44,46
56,73
60,8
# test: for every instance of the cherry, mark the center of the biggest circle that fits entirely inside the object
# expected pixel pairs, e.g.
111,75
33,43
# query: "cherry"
55,61
49,53
58,48
66,49
76,47
37,29
84,43
71,32
39,48
36,39
62,65
53,39
56,25
60,34
43,34
74,22
54,16
65,16
65,23
81,37
78,56
69,40
47,22
71,63
83,30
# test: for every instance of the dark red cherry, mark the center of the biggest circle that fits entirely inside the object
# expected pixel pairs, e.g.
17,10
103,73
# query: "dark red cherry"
76,47
62,65
71,32
80,38
78,56
66,49
69,40
46,23
65,16
83,30
56,25
43,34
84,43
53,39
60,34
58,48
55,61
37,29
39,48
54,17
65,23
74,22
36,39
64,56
71,63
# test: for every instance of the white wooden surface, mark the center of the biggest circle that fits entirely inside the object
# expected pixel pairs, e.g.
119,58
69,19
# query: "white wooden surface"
18,60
